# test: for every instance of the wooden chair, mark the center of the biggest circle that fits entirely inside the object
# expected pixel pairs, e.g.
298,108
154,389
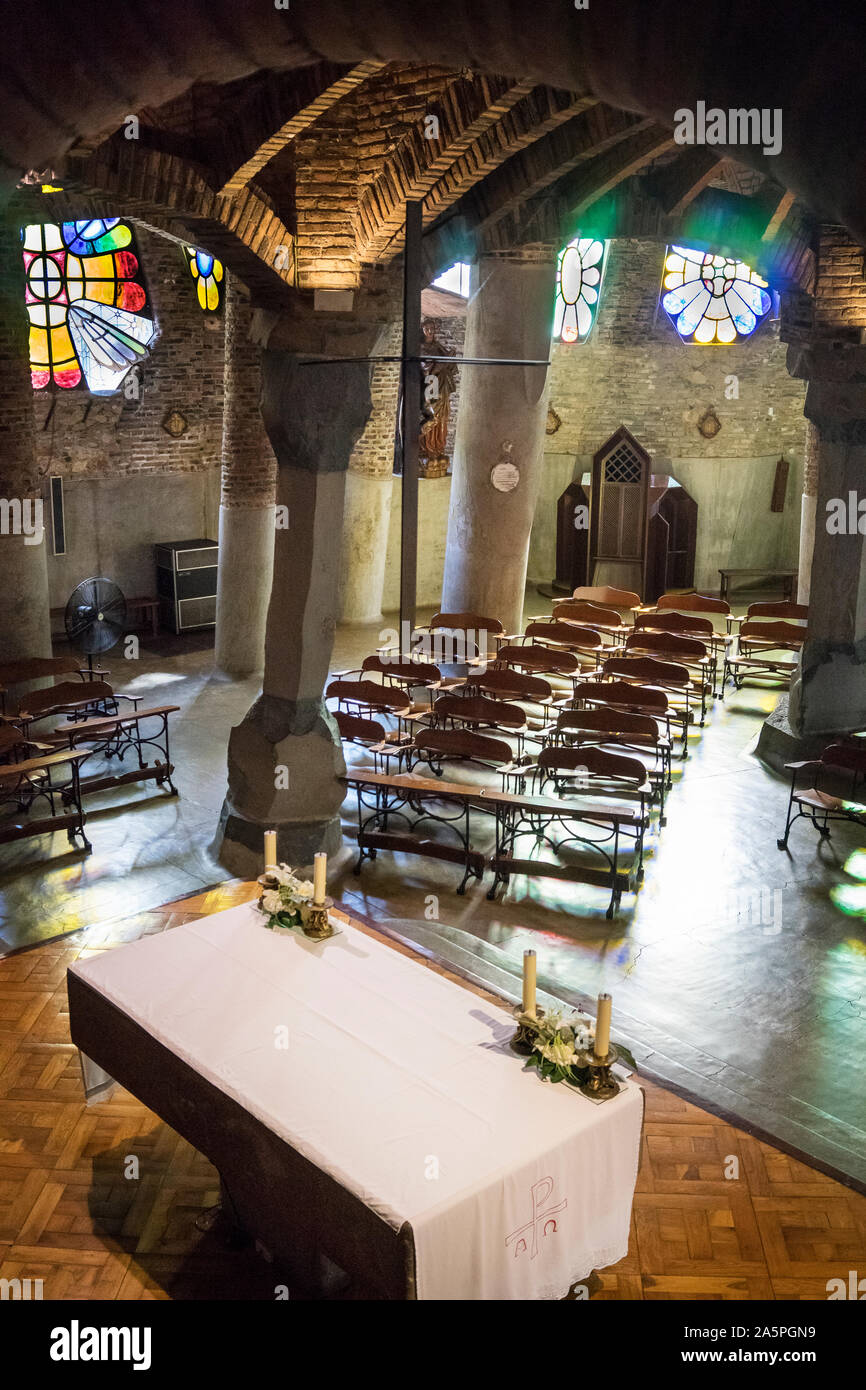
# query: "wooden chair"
370,734
607,596
688,651
366,697
670,676
504,683
693,603
462,624
831,788
757,657
586,614
555,663
438,746
639,734
793,612
477,711
586,641
75,699
408,675
40,668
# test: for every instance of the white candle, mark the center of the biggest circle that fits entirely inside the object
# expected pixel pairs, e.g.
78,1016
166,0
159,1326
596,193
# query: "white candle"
529,982
320,875
602,1026
270,849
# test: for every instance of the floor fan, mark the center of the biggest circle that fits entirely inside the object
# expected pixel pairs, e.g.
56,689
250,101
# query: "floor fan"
95,618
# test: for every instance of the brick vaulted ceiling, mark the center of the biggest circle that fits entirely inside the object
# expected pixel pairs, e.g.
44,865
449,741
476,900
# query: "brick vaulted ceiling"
292,158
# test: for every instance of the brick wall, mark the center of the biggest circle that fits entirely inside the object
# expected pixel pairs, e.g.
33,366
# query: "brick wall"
106,436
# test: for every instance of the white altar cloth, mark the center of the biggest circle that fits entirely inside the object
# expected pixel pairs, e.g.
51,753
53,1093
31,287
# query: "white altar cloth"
400,1084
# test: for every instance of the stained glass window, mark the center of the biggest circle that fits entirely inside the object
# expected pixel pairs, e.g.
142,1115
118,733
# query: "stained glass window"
207,272
88,308
712,299
578,286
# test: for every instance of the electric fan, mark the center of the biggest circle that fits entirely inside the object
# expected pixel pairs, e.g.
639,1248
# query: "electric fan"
95,617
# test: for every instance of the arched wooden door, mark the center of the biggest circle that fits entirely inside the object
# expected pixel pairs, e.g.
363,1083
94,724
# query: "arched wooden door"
619,513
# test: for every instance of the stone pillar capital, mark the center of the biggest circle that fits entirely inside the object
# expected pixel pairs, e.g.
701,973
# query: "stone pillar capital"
827,360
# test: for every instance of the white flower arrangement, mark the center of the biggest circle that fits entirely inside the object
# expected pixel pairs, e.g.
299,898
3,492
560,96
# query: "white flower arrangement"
562,1044
282,904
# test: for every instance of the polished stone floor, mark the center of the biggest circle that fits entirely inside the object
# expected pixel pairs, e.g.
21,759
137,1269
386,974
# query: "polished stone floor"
738,973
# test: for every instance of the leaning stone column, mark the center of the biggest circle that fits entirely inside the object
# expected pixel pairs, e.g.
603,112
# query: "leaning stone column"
808,504
246,528
285,758
500,426
25,625
828,695
369,485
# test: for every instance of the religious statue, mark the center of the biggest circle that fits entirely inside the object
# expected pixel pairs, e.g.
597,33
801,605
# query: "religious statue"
439,382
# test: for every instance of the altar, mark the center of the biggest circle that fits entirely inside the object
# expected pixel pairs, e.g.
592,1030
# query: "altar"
361,1105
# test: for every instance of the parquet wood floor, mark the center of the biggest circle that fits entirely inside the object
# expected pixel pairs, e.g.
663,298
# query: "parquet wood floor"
69,1214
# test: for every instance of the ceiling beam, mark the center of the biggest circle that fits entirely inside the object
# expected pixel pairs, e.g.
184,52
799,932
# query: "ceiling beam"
130,180
680,182
464,111
305,114
532,122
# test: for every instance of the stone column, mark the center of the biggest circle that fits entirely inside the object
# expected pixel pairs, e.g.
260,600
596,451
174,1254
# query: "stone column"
25,625
369,486
246,526
500,425
285,758
828,695
808,504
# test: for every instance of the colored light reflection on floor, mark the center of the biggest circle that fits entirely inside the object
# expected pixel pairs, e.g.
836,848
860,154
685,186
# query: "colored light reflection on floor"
850,898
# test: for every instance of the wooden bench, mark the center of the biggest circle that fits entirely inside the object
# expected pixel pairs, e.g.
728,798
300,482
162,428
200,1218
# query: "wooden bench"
114,736
43,668
23,783
788,578
413,800
595,772
75,699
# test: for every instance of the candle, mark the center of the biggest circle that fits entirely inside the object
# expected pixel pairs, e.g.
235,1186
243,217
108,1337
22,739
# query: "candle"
529,982
602,1026
320,873
270,849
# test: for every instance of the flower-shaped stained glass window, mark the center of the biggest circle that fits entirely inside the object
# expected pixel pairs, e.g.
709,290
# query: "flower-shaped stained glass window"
578,285
712,299
207,272
87,305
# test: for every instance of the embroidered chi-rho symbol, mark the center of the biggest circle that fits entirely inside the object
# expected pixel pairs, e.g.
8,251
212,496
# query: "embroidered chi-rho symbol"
543,1219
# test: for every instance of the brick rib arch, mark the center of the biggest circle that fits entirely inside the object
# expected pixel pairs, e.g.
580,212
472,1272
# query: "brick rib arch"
642,58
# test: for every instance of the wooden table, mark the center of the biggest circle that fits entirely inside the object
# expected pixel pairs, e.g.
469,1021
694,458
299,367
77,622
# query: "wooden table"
324,1144
788,578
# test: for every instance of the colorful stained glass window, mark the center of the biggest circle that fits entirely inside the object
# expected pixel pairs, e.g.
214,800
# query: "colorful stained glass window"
578,286
88,308
207,272
712,299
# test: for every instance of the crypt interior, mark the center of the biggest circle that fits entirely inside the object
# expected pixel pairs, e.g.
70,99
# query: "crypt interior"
370,414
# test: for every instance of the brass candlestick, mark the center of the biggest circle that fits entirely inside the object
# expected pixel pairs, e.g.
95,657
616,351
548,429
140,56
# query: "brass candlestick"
314,920
523,1041
600,1085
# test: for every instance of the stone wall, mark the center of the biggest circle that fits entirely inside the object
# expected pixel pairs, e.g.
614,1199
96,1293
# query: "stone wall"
635,371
